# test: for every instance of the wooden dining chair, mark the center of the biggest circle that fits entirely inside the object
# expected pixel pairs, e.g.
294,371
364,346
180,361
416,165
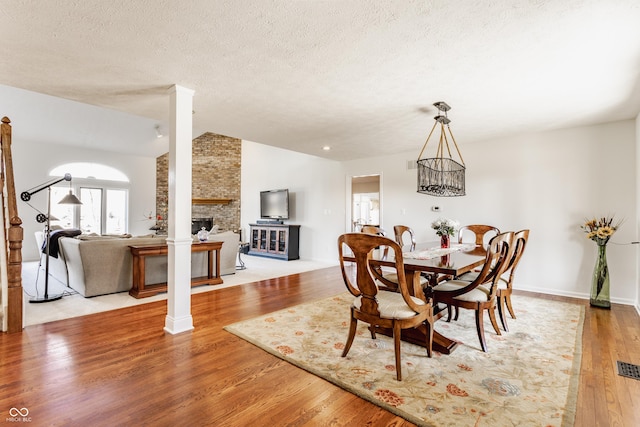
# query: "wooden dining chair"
471,295
505,285
373,229
399,232
388,278
481,233
393,310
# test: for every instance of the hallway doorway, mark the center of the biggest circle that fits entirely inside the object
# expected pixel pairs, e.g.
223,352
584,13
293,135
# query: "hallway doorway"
365,201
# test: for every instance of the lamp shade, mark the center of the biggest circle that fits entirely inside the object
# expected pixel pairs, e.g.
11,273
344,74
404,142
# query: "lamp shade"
70,199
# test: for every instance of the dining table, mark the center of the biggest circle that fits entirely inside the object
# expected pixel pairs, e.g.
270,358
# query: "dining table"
430,259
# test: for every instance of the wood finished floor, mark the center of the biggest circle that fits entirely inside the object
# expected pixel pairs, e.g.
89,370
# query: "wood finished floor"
120,368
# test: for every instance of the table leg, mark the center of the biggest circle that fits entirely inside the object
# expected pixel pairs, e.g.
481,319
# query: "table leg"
418,336
218,264
210,264
138,277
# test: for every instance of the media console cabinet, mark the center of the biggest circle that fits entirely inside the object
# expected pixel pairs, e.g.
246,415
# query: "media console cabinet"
280,241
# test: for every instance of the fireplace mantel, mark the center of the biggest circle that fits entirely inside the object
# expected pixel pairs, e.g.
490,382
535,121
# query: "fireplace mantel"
207,201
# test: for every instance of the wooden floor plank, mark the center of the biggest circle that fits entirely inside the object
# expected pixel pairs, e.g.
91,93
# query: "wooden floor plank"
121,368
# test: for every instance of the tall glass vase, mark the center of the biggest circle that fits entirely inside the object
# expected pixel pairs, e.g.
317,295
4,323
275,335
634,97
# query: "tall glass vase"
600,281
445,240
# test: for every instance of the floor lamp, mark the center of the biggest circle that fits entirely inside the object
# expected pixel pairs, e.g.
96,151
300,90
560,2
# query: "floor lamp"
69,199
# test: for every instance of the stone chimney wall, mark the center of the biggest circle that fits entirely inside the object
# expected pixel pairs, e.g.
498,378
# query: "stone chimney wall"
216,175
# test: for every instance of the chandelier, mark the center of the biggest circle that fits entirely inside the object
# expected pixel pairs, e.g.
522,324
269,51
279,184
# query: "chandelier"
441,176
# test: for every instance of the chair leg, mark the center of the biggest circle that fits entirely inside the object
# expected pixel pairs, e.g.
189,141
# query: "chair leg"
457,313
448,312
429,335
352,333
480,329
492,317
509,307
396,344
503,317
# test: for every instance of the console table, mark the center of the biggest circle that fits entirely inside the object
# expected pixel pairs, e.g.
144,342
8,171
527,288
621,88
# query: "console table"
140,290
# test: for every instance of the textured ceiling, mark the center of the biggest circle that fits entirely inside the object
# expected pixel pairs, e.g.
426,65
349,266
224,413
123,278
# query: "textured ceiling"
359,76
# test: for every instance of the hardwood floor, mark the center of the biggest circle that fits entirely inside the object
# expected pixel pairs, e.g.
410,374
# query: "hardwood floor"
120,368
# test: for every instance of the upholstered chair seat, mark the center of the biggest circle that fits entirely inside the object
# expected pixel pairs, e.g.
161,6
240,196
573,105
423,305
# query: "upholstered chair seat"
479,294
391,305
393,277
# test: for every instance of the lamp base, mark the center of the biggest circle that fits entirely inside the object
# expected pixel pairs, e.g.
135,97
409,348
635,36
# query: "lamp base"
47,299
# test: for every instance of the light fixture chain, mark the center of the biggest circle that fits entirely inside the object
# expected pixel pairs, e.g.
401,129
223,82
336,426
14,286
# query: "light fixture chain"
456,145
425,143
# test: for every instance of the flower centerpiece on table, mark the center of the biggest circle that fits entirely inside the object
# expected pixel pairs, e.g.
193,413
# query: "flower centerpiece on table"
445,228
600,231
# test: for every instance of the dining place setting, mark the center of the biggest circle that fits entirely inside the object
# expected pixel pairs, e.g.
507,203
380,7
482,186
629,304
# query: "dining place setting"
401,287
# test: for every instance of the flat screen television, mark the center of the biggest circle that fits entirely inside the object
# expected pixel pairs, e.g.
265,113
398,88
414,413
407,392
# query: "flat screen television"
274,204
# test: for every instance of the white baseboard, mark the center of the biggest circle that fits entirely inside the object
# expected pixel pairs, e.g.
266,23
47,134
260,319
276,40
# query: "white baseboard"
579,295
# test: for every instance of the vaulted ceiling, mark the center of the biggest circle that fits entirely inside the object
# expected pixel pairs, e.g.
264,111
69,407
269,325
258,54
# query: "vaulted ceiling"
358,76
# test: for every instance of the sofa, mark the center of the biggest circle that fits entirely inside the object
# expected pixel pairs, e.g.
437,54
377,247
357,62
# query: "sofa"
100,265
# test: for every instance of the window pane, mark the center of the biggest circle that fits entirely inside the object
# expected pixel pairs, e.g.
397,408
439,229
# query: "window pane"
63,213
116,212
91,210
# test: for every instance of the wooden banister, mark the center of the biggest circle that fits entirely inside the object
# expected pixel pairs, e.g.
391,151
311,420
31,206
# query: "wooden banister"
14,233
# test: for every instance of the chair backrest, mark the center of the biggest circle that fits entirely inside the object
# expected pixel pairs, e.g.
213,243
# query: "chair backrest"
519,243
375,230
499,252
399,232
361,245
372,229
481,233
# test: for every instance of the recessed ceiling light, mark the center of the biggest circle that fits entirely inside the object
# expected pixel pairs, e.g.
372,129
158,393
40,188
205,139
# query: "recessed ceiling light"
326,148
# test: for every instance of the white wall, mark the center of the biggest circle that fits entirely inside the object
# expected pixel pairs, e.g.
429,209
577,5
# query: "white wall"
33,161
316,195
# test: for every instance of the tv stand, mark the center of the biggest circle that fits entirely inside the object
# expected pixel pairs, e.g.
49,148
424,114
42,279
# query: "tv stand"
274,240
269,221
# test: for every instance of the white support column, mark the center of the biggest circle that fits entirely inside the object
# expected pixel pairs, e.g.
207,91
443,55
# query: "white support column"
179,241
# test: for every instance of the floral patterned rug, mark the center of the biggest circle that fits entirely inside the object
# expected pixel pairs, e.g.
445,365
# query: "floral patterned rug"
529,377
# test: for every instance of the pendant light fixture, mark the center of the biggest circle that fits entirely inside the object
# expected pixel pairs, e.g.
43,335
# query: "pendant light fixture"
439,175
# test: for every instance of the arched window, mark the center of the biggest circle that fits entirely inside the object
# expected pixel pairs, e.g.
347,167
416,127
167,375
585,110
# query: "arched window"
90,171
103,191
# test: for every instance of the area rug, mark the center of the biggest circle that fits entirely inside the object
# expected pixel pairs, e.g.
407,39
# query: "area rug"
529,376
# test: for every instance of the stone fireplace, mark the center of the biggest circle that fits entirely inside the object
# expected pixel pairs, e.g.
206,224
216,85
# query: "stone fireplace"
216,181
